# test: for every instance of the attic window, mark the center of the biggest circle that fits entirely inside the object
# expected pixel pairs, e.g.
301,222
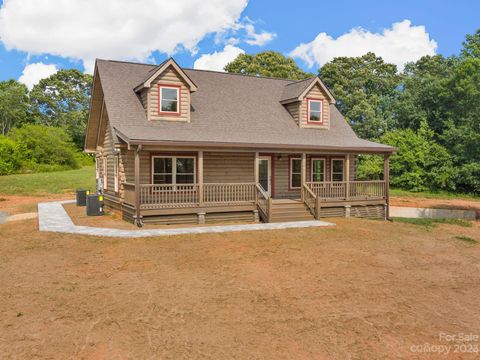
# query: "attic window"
315,111
168,99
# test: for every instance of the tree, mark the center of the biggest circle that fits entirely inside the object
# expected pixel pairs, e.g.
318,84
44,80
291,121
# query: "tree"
62,100
267,63
420,163
364,88
471,45
13,104
424,94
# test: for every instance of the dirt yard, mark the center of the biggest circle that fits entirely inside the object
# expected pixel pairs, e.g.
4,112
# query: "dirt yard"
362,290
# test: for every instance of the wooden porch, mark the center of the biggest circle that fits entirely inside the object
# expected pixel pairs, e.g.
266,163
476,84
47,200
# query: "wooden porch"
202,202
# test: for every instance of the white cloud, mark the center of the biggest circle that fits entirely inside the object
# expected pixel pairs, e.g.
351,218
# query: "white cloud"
33,73
398,45
259,39
244,31
218,59
112,29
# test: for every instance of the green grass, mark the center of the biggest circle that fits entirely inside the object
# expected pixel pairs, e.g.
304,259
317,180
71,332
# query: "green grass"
41,184
427,222
434,195
466,239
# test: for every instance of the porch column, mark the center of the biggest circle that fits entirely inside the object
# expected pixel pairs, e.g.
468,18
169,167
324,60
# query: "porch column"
386,178
303,175
347,177
138,220
200,178
255,169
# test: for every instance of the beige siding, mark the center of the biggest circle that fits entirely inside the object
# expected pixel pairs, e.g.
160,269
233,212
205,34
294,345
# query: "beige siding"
294,110
228,167
231,168
168,77
316,93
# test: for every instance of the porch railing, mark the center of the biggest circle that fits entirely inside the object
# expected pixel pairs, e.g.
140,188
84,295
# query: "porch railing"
263,203
309,198
228,194
352,190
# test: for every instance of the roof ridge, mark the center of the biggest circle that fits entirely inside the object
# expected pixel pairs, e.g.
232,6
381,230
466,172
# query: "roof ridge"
299,81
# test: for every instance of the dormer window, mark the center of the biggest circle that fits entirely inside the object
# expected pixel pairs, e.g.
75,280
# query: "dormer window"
169,99
314,111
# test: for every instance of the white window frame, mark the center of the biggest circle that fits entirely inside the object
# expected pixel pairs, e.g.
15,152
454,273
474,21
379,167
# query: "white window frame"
324,168
105,172
309,101
116,164
160,98
174,168
331,169
291,187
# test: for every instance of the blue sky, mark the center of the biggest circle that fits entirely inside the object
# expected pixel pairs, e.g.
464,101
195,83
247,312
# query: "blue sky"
51,36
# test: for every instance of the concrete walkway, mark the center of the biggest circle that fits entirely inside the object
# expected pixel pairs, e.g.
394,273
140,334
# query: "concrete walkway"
53,217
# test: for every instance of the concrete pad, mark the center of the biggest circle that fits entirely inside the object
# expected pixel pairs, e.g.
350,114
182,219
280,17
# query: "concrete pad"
418,213
3,217
53,217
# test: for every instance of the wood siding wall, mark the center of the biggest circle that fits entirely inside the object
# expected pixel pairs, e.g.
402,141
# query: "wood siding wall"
228,168
316,93
149,97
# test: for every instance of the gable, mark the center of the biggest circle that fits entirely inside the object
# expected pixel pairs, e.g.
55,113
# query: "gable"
315,93
150,97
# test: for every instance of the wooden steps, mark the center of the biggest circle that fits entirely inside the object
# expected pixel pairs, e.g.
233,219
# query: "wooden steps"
289,210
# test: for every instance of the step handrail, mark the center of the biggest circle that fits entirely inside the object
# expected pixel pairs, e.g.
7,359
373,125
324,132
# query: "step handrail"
263,202
310,199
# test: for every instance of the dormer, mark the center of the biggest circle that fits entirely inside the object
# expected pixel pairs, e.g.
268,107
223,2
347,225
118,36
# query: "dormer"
165,93
308,102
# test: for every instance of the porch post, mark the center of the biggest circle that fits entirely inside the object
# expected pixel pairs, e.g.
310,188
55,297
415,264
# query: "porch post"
303,175
386,178
255,169
138,220
200,178
347,177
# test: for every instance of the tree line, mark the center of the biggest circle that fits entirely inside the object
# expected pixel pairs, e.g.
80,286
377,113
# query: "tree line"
429,111
44,129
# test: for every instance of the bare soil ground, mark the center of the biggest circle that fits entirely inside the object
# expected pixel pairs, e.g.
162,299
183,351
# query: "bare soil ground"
362,290
14,204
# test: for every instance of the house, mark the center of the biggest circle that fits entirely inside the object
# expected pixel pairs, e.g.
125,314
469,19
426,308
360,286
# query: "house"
175,145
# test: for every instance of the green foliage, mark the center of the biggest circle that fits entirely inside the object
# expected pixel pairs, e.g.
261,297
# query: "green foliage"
471,45
45,148
420,163
39,184
9,156
62,100
267,63
429,222
466,239
364,88
13,105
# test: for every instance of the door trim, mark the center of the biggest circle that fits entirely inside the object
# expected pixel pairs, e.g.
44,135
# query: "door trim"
269,158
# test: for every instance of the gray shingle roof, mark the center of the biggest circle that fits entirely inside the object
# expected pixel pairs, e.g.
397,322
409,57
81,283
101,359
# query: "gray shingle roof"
227,108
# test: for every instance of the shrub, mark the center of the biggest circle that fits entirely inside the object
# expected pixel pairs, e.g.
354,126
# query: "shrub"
420,163
10,160
45,148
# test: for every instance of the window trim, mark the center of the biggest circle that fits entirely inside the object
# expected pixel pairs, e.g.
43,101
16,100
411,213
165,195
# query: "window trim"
105,172
290,172
116,177
97,168
179,100
331,168
324,167
174,168
319,122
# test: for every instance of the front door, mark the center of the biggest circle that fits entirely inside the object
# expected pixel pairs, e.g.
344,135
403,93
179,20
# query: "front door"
265,174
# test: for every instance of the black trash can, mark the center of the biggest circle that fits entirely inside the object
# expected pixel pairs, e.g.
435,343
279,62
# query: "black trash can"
95,205
82,197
